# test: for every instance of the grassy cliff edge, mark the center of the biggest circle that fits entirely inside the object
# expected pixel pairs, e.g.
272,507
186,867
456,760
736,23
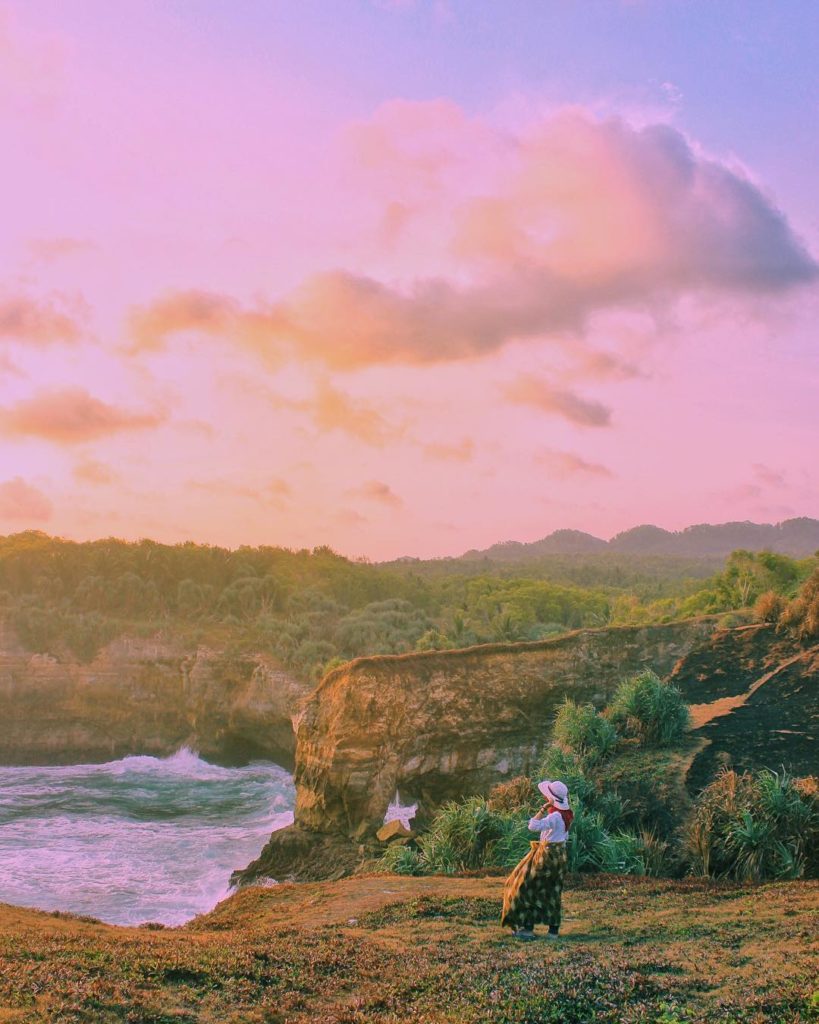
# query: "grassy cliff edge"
381,948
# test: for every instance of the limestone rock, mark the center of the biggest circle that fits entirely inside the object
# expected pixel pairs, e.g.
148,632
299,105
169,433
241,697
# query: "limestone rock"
441,725
143,696
393,830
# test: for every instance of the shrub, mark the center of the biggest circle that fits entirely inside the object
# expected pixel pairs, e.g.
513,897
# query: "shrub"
769,606
597,844
649,709
512,843
400,860
585,731
801,615
754,826
515,795
461,836
566,765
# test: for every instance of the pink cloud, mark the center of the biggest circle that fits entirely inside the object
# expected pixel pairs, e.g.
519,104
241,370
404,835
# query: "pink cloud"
333,409
91,471
567,464
20,501
70,416
181,311
542,395
271,492
37,322
376,490
578,216
461,452
49,250
768,476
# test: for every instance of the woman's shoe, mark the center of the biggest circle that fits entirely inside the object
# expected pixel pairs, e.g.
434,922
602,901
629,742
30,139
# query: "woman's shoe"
524,934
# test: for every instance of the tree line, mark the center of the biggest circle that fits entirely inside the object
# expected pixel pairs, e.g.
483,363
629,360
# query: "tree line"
314,608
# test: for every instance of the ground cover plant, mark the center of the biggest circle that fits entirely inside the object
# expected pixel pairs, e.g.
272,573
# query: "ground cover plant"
428,951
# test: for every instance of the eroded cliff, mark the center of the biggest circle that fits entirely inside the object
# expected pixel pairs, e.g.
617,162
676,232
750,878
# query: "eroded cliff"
442,725
143,696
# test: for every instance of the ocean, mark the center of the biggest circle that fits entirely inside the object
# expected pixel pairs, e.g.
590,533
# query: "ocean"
135,840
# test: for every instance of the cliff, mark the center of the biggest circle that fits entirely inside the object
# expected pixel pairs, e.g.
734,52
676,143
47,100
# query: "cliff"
143,696
441,725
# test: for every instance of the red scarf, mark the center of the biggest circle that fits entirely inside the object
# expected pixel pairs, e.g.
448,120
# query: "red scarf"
567,816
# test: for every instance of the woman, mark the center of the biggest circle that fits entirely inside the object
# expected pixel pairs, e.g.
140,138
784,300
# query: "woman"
533,890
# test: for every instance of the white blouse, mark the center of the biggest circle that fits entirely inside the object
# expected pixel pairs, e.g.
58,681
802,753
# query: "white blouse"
551,828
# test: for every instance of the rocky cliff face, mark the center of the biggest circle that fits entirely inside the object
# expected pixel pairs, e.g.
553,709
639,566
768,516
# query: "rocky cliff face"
143,696
441,725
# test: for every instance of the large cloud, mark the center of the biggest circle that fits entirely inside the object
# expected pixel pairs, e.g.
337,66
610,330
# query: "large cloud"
20,501
71,416
574,217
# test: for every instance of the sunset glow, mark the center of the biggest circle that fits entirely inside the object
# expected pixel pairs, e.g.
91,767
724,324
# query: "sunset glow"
406,278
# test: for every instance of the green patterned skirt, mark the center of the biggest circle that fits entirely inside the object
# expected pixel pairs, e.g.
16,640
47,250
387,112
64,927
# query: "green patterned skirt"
533,891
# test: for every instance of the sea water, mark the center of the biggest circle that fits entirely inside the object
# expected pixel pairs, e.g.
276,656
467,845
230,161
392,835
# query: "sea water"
135,840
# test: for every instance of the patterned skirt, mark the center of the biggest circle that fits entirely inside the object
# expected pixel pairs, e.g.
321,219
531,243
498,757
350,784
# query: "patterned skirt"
533,891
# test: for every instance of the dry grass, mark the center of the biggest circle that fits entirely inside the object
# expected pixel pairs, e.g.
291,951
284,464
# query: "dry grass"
391,949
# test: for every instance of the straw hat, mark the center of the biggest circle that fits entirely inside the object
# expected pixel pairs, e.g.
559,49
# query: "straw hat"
556,793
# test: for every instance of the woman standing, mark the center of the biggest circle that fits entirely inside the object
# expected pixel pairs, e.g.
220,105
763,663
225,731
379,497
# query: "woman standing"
532,893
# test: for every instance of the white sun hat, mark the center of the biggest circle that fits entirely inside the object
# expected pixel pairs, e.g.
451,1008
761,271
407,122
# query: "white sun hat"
556,792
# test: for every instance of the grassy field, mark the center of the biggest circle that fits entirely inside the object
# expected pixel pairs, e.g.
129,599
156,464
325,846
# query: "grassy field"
422,950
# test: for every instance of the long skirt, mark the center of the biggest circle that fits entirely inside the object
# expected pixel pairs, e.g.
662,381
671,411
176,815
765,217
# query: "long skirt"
533,891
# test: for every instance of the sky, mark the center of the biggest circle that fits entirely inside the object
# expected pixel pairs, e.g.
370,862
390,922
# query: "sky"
406,277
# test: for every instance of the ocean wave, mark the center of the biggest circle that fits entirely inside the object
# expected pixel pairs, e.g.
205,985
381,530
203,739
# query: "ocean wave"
141,838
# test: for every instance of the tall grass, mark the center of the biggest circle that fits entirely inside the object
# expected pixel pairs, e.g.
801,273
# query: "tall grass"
753,826
477,833
583,730
649,709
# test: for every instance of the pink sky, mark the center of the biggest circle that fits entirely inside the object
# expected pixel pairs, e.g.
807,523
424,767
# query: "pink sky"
271,302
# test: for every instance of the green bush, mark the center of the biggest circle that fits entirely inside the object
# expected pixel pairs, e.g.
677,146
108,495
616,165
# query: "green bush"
461,836
754,826
649,709
583,730
401,860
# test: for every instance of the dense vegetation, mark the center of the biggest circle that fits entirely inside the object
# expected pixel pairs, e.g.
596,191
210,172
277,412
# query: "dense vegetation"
632,815
314,608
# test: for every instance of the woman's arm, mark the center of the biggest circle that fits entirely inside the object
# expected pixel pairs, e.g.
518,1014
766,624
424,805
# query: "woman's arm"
540,824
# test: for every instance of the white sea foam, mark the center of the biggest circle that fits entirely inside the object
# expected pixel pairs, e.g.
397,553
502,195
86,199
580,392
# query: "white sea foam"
138,839
401,812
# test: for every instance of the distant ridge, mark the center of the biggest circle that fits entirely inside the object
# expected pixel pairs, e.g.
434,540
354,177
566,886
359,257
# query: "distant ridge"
796,537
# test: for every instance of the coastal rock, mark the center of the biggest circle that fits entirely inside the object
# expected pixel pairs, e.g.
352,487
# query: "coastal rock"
393,830
144,696
440,725
445,724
